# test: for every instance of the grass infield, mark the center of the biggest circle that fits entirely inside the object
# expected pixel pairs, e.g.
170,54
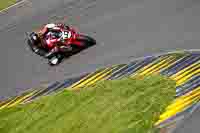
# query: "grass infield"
117,106
6,3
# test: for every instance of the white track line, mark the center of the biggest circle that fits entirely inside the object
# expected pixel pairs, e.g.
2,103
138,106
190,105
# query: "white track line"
22,1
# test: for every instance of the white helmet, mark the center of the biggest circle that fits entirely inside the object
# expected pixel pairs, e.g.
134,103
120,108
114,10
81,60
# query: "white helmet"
51,25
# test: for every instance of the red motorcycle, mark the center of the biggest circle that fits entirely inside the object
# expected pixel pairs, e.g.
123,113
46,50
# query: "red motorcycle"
76,40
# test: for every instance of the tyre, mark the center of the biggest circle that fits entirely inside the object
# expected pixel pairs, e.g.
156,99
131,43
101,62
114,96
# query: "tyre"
33,43
33,39
30,44
55,60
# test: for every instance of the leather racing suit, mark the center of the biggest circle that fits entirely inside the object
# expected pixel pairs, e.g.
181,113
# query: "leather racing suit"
52,34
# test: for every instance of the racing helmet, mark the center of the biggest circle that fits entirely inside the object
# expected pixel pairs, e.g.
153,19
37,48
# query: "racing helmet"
62,25
54,34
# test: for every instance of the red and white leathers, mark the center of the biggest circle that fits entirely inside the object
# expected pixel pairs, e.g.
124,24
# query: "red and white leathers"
48,32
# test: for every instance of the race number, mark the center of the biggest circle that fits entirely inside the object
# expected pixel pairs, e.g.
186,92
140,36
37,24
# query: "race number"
66,34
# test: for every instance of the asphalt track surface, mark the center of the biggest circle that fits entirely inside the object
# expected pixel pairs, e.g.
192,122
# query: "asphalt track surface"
123,30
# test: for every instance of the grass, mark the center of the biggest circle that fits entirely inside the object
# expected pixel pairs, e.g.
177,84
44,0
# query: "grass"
118,106
6,3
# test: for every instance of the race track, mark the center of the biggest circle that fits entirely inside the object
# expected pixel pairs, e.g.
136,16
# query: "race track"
123,30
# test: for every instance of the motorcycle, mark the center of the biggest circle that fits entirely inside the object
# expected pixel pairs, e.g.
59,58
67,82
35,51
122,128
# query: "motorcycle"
76,40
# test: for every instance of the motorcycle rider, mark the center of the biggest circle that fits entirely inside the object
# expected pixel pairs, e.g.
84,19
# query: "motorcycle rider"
52,34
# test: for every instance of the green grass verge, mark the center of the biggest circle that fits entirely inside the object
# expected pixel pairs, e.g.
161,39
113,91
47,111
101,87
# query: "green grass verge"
6,3
118,106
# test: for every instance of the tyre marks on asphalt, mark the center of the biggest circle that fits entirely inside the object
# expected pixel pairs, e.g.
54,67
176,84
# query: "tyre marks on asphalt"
183,67
18,2
9,18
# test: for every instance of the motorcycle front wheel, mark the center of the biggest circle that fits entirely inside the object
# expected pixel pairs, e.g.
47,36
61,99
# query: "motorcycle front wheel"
55,60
